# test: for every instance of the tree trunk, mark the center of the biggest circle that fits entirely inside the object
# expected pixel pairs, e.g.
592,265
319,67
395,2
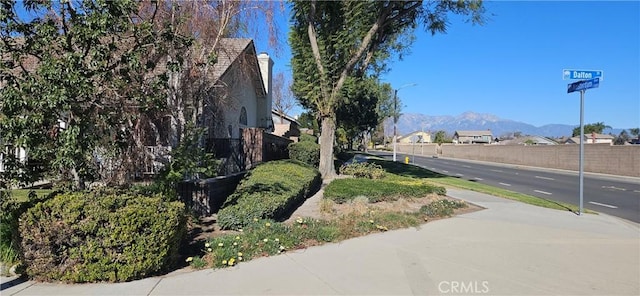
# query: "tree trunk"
327,137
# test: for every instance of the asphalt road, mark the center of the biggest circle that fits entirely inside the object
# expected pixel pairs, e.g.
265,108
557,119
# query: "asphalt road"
614,195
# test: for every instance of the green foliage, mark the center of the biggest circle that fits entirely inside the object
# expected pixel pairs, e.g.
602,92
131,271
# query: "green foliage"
8,228
441,137
363,170
77,77
442,208
308,120
387,189
267,192
101,236
597,128
189,161
305,151
308,138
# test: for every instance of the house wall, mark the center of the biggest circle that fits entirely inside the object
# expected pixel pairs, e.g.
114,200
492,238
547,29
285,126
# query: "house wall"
242,94
599,158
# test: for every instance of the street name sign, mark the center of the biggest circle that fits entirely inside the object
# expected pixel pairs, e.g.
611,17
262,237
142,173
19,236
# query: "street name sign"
581,74
583,85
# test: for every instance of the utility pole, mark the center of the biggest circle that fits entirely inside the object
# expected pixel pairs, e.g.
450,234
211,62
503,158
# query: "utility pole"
396,115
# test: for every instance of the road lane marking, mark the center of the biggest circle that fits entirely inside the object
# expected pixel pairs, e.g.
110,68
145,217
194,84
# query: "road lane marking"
459,175
614,188
545,178
445,171
505,184
602,205
499,171
479,179
543,192
636,191
466,166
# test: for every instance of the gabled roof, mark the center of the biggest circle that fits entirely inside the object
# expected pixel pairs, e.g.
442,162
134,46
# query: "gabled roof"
286,116
413,134
241,51
474,133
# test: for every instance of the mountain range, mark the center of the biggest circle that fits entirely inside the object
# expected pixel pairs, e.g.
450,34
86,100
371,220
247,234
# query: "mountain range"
410,122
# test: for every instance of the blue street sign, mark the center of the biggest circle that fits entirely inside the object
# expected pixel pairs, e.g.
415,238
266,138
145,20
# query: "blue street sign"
583,84
581,74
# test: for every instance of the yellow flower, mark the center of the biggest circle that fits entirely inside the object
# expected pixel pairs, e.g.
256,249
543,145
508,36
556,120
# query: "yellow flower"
189,259
371,221
265,240
281,248
220,245
299,220
235,243
255,219
206,245
209,249
224,262
380,227
239,254
240,230
267,224
231,262
237,237
239,258
277,240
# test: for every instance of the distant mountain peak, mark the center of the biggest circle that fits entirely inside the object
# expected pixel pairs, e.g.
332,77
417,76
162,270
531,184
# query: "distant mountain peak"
411,122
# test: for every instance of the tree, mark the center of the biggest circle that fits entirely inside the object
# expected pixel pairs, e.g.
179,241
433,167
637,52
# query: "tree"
283,99
591,128
622,138
364,108
440,137
332,41
635,132
77,76
89,82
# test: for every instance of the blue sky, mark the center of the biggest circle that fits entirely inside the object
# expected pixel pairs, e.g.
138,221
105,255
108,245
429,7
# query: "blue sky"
512,66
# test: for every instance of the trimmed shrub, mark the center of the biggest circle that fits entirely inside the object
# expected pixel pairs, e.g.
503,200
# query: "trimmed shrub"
305,151
268,191
308,138
343,190
101,236
363,170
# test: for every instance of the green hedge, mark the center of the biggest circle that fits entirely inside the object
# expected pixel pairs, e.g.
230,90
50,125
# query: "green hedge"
268,192
305,151
386,189
101,236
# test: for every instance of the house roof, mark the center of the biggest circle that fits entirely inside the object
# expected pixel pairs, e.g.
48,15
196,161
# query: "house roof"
237,51
591,136
286,116
409,135
474,133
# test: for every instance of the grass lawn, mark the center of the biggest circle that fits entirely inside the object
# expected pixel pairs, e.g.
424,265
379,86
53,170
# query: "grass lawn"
22,195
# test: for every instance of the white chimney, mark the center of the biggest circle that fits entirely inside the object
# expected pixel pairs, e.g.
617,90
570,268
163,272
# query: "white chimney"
266,68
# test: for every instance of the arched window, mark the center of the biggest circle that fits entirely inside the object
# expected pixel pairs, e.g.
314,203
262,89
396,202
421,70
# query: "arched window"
243,116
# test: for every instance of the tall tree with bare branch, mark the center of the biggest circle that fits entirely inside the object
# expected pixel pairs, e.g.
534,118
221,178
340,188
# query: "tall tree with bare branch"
334,40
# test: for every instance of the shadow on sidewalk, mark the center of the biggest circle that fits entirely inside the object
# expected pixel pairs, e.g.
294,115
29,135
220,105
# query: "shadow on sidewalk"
13,282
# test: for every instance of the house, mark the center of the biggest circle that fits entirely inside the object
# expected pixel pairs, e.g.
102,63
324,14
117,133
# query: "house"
473,137
415,137
285,126
529,140
593,138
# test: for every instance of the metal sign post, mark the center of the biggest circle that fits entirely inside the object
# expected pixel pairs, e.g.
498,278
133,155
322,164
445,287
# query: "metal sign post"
582,86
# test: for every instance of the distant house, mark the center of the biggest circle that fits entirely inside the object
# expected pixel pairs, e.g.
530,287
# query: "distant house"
415,137
529,140
593,138
473,137
285,126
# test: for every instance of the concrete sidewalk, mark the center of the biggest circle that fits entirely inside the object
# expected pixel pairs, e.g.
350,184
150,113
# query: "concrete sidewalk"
508,249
